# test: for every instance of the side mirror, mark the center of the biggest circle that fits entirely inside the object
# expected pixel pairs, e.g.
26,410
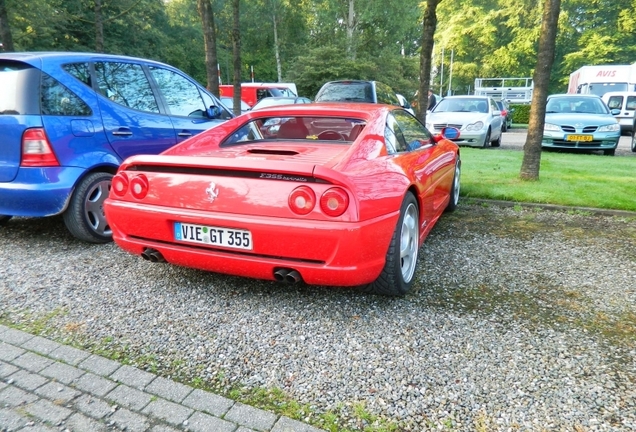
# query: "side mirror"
615,111
213,112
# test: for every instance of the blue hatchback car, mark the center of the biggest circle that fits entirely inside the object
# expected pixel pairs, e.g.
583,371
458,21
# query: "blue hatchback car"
67,120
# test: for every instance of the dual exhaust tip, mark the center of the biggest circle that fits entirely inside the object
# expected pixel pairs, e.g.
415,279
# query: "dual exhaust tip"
286,275
152,255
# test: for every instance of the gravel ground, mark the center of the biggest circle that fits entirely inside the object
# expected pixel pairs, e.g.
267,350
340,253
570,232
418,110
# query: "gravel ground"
520,319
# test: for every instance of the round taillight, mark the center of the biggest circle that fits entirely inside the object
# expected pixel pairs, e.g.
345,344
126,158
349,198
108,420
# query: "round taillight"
334,202
139,186
302,200
119,185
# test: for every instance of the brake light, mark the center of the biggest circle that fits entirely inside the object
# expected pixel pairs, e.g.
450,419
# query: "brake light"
36,149
139,186
119,185
334,201
302,200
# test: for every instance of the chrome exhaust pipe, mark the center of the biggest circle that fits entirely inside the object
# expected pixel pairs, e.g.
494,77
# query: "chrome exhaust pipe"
280,274
293,277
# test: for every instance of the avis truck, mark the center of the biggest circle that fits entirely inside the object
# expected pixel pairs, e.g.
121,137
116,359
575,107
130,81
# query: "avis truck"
600,79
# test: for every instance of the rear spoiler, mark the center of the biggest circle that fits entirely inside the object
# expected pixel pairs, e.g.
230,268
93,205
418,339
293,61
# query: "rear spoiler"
245,167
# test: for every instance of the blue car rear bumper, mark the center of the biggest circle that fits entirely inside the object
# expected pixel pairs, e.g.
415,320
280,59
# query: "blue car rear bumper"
37,192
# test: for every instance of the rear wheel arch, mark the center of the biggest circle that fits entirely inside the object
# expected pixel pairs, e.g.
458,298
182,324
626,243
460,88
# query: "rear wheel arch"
392,280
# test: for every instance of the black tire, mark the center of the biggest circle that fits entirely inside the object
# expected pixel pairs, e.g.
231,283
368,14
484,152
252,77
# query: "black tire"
634,141
504,126
609,152
486,142
4,219
454,192
394,279
85,217
497,142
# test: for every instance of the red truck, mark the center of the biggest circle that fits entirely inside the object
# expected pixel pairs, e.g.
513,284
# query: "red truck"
253,92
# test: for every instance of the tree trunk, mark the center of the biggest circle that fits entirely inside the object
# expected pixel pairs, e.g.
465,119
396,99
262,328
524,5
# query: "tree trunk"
99,27
236,55
351,25
209,40
6,39
277,49
429,24
545,58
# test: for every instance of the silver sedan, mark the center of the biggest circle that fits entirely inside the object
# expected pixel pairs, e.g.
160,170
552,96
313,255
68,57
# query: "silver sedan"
478,119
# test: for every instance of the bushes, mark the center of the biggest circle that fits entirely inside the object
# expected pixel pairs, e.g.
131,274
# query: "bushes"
521,113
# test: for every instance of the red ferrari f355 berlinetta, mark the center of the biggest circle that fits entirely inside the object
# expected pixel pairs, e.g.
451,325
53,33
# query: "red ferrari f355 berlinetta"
326,194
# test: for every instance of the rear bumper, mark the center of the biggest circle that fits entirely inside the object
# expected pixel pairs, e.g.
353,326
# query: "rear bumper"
324,253
37,192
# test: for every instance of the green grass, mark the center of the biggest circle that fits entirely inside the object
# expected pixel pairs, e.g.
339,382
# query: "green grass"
569,179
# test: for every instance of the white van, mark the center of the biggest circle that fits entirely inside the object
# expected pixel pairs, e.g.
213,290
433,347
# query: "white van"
626,102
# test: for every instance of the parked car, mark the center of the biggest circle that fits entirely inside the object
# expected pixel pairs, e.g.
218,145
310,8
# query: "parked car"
625,102
253,92
335,180
506,113
282,100
478,118
67,120
580,122
229,104
358,91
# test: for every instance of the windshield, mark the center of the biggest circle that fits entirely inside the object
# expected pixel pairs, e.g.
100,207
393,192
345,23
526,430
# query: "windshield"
462,105
600,89
573,104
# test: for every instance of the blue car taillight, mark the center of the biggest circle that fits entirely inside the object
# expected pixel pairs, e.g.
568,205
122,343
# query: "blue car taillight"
36,149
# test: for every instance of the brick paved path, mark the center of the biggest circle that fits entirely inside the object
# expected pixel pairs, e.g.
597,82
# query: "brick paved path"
47,386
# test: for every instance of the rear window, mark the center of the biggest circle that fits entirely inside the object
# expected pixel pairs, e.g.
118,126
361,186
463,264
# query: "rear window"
19,84
323,129
346,92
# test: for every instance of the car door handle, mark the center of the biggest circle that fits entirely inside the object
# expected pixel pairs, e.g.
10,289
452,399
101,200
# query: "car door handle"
185,133
122,132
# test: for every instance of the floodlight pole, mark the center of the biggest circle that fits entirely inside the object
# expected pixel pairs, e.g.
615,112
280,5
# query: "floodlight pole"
450,77
441,76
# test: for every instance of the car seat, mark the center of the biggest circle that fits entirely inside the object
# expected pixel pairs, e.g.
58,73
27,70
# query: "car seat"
293,129
355,131
482,107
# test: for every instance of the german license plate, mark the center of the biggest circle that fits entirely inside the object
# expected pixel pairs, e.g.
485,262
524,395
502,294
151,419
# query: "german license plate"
579,138
213,236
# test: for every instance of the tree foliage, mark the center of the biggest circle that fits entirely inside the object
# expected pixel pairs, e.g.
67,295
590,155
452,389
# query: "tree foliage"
488,38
